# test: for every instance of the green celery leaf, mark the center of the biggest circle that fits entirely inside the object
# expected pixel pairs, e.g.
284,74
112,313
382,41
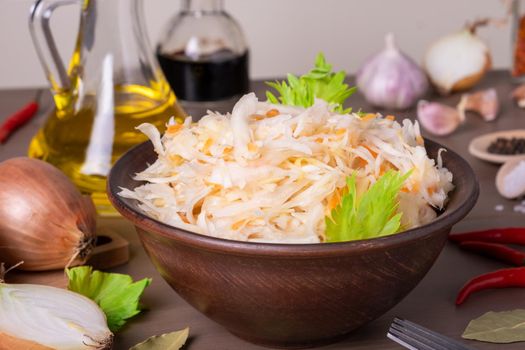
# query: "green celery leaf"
320,82
116,294
169,341
371,215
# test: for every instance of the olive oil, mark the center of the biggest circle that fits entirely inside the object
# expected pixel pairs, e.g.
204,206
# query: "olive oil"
68,142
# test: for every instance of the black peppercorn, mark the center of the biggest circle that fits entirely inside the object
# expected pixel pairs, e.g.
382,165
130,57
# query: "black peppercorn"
507,146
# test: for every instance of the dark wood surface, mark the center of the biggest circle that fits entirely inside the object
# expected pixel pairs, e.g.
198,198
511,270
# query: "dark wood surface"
431,303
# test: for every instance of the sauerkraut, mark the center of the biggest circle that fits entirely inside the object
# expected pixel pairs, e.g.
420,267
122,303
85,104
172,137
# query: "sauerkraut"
272,173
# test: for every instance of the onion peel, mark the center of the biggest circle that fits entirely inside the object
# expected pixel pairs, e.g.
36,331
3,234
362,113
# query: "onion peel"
11,343
459,60
44,219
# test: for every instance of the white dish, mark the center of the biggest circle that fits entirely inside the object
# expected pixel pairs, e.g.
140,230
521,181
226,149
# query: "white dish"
478,146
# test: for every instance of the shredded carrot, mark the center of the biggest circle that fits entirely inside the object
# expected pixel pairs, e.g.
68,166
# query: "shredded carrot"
334,199
172,129
373,153
360,163
184,218
272,113
176,159
257,117
368,117
390,117
238,224
207,145
340,131
382,170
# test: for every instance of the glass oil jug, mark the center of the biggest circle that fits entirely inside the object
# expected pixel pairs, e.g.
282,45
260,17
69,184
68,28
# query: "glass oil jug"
112,84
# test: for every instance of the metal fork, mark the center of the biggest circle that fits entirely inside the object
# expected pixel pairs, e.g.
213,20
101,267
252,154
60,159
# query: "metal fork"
415,337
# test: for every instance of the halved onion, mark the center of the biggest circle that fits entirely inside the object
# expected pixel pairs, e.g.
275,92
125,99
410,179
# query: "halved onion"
40,318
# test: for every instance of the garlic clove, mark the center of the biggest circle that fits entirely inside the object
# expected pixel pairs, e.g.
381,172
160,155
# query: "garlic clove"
438,119
518,94
485,103
510,179
390,79
457,61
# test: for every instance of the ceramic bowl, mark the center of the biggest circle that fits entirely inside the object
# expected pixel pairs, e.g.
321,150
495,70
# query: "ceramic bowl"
292,295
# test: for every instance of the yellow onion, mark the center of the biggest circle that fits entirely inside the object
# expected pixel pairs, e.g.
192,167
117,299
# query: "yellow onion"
457,61
44,219
36,317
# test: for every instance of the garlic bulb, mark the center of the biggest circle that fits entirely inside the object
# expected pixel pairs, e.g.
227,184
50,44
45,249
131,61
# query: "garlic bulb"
437,118
391,79
457,61
484,102
44,220
43,318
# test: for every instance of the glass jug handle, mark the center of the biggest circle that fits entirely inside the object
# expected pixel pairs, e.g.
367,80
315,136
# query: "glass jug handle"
39,25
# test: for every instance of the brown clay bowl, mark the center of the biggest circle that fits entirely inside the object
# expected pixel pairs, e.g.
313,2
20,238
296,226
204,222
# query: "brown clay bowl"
292,295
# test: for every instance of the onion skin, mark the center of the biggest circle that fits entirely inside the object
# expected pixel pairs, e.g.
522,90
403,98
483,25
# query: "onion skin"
12,343
44,220
471,80
457,61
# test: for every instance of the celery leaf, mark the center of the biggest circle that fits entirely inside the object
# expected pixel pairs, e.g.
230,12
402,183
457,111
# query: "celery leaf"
116,294
373,214
320,83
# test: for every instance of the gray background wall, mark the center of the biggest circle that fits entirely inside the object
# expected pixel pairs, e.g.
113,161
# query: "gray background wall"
284,35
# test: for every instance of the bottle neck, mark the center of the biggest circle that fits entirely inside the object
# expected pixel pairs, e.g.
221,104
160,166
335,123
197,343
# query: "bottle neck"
202,5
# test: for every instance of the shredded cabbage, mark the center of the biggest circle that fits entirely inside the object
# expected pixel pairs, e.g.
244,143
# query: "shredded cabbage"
271,173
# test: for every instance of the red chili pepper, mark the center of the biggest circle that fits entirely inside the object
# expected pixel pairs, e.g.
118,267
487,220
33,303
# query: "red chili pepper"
495,250
18,119
512,235
513,277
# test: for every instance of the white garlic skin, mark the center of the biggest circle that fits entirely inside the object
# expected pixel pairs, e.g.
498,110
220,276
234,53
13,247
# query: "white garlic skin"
438,119
390,79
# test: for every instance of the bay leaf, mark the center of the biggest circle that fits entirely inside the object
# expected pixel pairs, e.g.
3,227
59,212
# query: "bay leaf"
497,327
168,341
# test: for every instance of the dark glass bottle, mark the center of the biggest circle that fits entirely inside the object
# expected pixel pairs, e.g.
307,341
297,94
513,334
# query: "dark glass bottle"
204,54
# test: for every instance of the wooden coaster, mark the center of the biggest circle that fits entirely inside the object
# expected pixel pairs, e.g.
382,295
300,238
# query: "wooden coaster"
111,251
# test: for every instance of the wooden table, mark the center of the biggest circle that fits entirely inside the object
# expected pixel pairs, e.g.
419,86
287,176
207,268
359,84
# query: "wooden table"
431,303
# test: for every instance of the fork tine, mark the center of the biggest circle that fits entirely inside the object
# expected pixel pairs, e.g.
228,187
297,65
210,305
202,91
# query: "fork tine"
407,341
421,332
448,343
431,342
